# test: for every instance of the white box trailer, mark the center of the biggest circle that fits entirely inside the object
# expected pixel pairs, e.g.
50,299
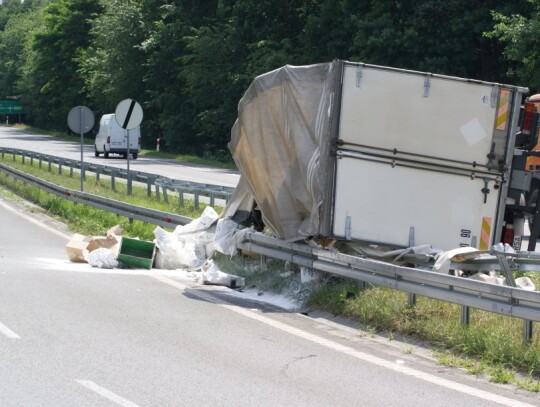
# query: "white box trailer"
375,154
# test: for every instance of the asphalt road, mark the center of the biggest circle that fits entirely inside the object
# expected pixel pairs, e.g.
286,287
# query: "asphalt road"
15,138
71,335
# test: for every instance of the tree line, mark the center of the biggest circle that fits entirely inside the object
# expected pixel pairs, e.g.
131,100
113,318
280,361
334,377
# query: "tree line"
188,62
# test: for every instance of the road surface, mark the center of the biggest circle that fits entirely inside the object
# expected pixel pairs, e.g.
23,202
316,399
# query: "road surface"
15,138
71,335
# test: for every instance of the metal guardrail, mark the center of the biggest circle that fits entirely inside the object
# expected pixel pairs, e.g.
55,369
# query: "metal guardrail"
152,181
503,300
120,208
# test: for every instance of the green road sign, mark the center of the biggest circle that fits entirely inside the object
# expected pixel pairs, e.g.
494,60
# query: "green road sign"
11,107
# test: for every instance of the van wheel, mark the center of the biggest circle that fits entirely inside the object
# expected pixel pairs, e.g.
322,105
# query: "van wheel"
105,153
135,155
96,153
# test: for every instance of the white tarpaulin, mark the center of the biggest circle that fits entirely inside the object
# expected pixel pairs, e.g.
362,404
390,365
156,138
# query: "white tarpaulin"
283,121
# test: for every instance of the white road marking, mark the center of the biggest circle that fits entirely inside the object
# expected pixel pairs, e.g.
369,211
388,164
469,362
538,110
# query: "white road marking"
8,332
106,393
35,221
351,351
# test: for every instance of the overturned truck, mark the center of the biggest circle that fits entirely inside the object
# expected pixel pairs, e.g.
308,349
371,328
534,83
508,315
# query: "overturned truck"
370,154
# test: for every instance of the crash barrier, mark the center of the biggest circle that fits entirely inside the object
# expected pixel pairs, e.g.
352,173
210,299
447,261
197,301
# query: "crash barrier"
503,300
161,185
152,216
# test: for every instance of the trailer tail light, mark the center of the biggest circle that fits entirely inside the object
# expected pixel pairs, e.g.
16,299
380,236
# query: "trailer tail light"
109,140
527,121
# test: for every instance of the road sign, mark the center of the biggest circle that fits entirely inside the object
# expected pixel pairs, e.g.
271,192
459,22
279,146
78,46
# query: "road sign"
11,107
80,119
129,114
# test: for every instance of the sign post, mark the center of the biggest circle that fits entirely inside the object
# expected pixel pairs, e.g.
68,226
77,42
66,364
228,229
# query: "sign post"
81,120
129,115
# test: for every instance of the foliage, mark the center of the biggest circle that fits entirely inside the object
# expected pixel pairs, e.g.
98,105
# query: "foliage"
520,34
189,62
51,85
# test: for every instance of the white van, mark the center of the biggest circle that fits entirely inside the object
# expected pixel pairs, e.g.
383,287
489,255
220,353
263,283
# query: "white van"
112,139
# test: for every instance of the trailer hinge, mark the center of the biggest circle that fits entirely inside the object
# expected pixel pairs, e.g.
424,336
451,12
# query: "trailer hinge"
348,227
494,95
485,190
359,74
491,156
427,85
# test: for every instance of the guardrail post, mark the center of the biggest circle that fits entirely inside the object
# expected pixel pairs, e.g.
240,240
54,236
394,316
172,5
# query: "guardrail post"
129,184
465,315
31,159
40,159
527,331
165,196
157,193
71,169
23,158
181,197
149,182
113,178
412,300
50,163
60,167
14,156
362,285
212,199
196,199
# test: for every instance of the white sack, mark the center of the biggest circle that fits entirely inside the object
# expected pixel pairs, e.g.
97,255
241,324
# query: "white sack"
170,249
525,283
224,241
491,278
211,274
102,258
198,225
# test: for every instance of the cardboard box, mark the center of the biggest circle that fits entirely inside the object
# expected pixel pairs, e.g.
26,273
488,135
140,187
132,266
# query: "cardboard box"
77,248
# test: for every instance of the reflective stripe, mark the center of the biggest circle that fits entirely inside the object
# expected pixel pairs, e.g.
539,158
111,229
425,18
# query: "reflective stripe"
502,111
485,233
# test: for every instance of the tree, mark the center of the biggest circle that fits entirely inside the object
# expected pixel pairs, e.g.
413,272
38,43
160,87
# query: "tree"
112,66
520,35
14,40
51,84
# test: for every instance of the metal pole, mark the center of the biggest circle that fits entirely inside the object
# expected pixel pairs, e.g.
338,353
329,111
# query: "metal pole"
82,144
128,173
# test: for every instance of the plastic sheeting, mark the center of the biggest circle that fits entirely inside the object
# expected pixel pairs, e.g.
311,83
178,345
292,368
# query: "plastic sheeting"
283,120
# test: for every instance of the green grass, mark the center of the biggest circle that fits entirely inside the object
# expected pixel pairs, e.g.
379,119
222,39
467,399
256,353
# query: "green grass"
85,219
491,345
490,339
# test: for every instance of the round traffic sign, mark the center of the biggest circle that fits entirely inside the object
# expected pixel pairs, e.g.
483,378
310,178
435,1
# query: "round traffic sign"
80,119
129,114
